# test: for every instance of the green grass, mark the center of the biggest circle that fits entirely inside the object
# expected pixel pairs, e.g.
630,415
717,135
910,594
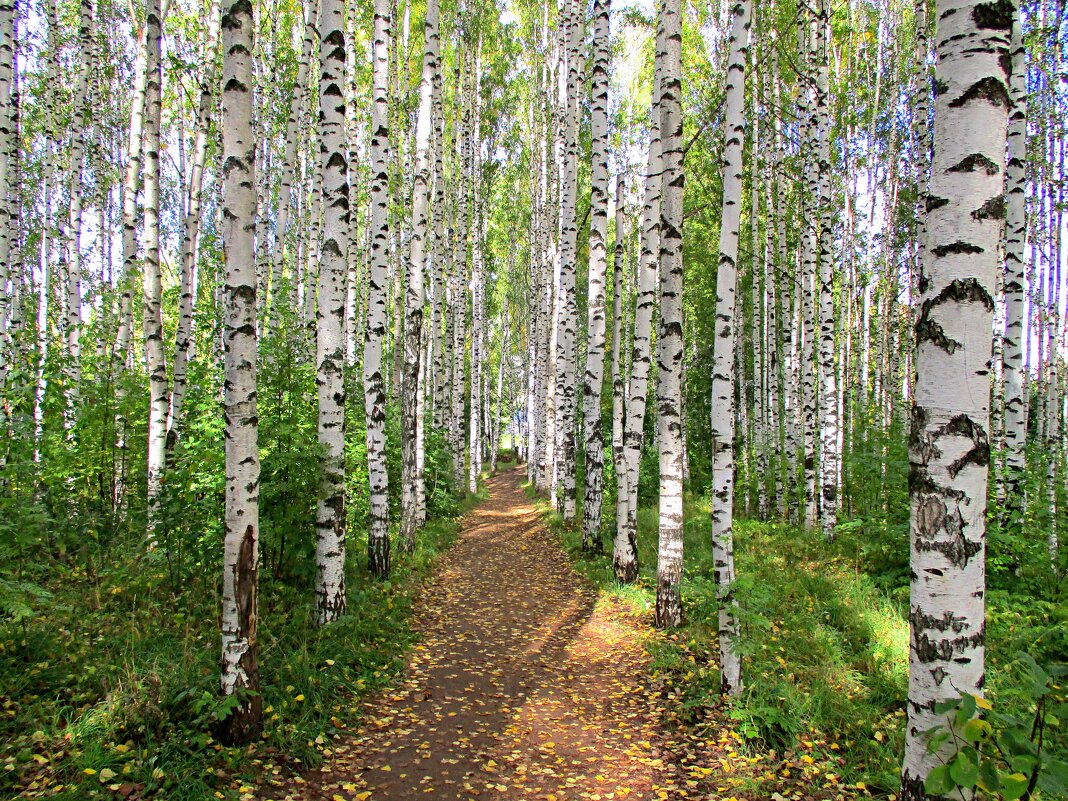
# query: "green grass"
116,682
825,644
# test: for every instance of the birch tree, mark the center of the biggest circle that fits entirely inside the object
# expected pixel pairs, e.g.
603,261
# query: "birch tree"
595,332
414,299
240,652
949,442
723,378
183,338
374,385
152,311
669,334
1015,280
330,599
624,549
567,305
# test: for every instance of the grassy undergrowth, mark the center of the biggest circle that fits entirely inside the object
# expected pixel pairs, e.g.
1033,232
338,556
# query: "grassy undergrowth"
825,640
113,690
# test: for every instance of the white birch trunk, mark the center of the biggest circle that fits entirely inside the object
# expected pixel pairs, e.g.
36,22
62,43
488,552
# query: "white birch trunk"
567,304
598,261
828,379
949,447
669,335
239,674
1015,281
183,339
624,549
723,378
374,386
414,299
152,313
330,600
289,161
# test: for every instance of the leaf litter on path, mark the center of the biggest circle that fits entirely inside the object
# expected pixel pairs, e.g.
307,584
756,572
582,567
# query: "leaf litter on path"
527,684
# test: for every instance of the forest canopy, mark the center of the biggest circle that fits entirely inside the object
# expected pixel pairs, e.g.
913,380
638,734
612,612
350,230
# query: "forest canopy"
720,350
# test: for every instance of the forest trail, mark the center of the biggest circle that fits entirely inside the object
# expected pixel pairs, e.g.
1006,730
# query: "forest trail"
525,684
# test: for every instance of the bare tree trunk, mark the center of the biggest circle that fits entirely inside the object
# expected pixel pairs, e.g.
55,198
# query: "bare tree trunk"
374,386
152,322
567,305
239,674
183,339
669,334
723,378
598,261
289,161
330,600
624,551
1015,243
413,325
73,239
949,447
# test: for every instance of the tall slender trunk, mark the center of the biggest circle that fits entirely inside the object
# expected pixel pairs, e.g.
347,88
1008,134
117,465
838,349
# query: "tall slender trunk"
8,275
478,307
809,114
669,334
289,161
948,446
73,239
828,379
239,675
152,312
624,549
414,300
1015,281
183,339
502,370
330,601
598,261
723,378
567,305
374,386
618,373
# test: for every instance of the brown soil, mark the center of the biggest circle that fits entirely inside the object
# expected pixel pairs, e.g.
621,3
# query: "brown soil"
526,684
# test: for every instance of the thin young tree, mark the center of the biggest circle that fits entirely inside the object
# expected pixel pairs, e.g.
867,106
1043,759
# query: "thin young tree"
624,549
152,306
949,449
374,384
414,299
1015,280
183,338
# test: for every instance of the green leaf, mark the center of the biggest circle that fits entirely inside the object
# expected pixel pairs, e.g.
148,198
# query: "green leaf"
988,777
937,737
941,707
1040,679
938,781
967,709
1013,785
964,769
975,730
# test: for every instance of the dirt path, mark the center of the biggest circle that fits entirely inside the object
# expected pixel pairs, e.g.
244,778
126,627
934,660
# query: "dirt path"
525,685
